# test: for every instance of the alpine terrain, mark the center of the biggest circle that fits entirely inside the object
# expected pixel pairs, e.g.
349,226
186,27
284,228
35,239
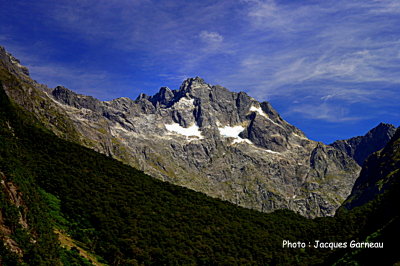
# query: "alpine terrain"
65,204
361,147
204,137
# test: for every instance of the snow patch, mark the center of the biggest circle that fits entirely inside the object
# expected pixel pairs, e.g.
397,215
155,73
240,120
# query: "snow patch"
275,152
261,112
230,132
192,131
240,140
258,110
233,132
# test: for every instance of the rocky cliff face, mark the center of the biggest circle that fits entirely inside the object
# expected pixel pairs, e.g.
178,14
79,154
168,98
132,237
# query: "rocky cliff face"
204,137
380,172
11,197
361,147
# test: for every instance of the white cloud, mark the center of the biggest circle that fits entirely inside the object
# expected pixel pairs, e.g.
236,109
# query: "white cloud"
211,37
342,52
213,42
267,15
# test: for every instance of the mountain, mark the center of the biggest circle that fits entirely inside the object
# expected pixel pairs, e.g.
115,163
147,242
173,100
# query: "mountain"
118,214
361,147
380,173
374,197
203,137
56,194
61,201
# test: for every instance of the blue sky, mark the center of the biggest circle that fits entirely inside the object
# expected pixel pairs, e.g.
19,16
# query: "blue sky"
331,68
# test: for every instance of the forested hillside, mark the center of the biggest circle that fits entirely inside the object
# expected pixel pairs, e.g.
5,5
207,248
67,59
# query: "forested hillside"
128,218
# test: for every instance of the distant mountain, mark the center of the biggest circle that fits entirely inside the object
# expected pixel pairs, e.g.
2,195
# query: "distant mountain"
361,147
203,137
380,172
374,199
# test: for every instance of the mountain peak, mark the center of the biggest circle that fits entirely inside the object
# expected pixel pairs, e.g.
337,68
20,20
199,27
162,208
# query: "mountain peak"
193,83
12,63
362,146
196,79
379,173
164,97
204,137
383,127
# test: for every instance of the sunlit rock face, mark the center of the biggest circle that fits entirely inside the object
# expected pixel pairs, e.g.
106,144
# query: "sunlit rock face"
204,137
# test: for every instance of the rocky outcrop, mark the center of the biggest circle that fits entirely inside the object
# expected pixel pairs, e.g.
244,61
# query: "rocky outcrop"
207,138
361,147
380,173
8,225
13,64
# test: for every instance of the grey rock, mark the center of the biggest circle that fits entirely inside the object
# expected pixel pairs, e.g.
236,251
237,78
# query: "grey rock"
13,64
380,173
361,147
207,138
78,101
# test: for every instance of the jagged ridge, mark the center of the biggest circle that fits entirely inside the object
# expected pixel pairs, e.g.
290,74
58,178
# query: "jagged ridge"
222,143
361,147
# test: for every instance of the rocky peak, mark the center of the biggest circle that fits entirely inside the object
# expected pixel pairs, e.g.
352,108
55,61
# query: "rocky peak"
192,83
190,88
65,96
380,172
383,129
13,64
207,138
194,88
62,92
164,97
217,110
79,101
142,96
362,146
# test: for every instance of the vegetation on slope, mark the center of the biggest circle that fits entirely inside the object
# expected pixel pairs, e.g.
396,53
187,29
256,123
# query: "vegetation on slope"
127,217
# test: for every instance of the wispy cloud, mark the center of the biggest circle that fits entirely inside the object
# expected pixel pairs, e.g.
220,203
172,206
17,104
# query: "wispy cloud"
65,75
85,80
213,40
346,51
333,55
325,111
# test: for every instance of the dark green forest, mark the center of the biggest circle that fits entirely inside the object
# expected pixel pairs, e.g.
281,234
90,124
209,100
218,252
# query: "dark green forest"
129,218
